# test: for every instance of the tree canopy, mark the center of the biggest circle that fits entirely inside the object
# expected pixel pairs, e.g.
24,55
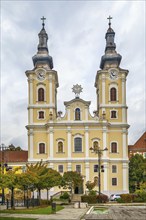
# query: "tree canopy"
137,168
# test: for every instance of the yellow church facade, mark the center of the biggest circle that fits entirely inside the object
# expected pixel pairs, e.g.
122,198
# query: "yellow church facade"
65,141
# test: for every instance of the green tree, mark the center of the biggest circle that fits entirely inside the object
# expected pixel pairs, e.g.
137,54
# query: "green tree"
44,177
71,180
137,166
10,180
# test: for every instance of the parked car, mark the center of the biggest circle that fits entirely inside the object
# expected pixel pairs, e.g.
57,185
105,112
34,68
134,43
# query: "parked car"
114,197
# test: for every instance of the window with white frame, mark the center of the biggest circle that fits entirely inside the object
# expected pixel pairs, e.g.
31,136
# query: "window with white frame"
113,114
95,168
113,147
113,94
41,114
114,181
78,168
114,169
41,148
60,168
60,147
78,144
77,114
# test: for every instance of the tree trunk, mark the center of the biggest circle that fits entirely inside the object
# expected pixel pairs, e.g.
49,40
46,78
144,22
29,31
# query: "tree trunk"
12,198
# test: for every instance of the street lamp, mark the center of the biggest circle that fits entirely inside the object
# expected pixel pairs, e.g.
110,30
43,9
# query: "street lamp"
99,151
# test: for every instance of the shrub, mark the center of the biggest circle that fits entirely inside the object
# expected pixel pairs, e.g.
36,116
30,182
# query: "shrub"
102,198
92,193
89,198
127,197
65,196
141,196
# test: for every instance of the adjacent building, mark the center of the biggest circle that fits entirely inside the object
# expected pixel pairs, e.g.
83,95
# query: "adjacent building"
64,141
139,147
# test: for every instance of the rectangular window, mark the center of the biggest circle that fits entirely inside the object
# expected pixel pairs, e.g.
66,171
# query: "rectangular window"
114,181
78,144
60,168
95,168
113,114
41,114
78,168
114,168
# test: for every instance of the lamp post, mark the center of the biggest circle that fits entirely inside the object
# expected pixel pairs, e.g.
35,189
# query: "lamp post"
99,151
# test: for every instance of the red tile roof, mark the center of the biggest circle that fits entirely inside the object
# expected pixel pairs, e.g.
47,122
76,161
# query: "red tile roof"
13,156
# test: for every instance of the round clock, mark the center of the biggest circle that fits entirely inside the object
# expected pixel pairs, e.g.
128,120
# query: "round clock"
41,75
113,74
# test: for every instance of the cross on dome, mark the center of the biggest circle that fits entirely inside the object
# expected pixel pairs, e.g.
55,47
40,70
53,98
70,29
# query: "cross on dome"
43,19
109,18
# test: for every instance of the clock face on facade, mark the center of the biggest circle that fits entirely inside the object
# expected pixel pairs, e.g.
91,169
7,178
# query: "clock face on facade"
113,73
41,74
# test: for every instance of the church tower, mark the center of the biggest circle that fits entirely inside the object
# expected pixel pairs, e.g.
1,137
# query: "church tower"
42,86
111,83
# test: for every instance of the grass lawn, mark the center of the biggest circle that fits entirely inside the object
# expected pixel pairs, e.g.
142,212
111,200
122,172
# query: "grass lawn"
37,210
10,218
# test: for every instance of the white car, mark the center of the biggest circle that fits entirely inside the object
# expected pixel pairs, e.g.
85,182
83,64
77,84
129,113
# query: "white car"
114,197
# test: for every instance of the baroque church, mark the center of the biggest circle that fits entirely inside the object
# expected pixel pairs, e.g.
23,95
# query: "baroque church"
96,146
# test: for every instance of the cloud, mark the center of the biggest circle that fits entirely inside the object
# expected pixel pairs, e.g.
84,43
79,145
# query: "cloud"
76,31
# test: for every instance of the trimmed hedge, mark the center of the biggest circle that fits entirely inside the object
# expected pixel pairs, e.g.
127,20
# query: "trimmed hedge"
94,198
89,198
102,198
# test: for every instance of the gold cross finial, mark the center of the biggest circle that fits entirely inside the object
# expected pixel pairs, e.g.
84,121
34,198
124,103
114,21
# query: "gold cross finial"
43,19
109,18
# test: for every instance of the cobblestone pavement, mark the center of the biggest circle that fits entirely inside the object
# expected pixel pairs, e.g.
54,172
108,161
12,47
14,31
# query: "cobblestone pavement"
120,213
115,212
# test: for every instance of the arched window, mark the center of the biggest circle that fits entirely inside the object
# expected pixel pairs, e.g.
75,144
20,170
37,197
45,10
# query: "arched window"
77,114
41,114
95,145
41,148
60,147
78,144
41,94
113,94
113,147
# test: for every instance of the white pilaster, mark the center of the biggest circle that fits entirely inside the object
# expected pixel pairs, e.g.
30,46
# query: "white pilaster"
30,80
104,137
103,89
125,177
69,142
123,90
51,142
87,171
86,142
105,180
68,114
50,90
30,134
69,167
124,140
86,114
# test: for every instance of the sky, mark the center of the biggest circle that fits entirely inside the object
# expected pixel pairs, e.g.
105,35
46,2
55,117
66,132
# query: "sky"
76,31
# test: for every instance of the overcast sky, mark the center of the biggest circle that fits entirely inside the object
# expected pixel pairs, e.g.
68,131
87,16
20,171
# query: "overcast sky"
76,31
